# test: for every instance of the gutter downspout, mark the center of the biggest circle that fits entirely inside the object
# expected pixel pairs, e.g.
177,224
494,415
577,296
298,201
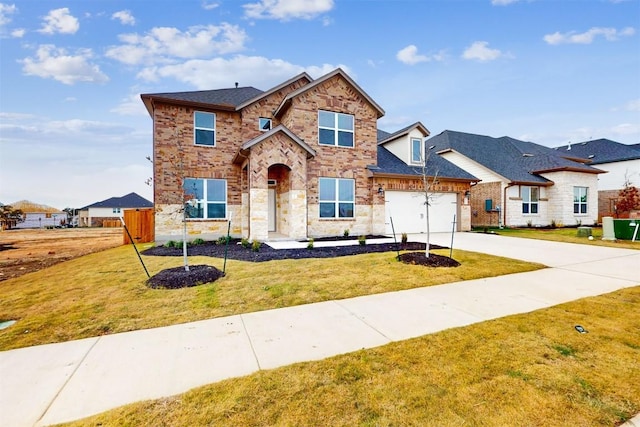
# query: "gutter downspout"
504,203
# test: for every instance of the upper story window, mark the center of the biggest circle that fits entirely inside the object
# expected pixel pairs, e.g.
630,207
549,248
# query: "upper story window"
208,198
335,129
116,210
337,198
580,200
204,128
416,151
264,124
530,198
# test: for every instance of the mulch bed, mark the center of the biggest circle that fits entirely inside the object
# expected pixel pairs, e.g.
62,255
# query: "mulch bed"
178,278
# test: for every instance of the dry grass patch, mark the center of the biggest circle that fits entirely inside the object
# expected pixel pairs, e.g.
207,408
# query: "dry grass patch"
105,292
530,369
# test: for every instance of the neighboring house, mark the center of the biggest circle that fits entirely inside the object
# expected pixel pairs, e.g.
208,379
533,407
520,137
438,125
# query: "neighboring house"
299,160
112,209
39,216
622,163
522,183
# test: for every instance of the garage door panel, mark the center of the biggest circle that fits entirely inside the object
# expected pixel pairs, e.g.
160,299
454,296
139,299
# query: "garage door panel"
407,209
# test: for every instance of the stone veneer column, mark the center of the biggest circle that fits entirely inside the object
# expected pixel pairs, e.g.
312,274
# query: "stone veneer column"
298,214
258,224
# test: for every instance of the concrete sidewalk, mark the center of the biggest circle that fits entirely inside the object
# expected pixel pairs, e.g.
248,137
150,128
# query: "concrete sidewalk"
54,383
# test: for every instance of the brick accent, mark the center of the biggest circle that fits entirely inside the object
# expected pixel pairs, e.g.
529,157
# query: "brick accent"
479,193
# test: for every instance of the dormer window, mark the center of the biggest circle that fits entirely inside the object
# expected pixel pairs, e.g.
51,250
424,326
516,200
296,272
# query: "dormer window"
264,124
416,151
335,129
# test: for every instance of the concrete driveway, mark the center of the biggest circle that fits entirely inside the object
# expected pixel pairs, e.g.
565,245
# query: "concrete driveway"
55,383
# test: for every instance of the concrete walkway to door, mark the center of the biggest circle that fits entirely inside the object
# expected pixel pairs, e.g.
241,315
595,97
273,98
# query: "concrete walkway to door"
54,383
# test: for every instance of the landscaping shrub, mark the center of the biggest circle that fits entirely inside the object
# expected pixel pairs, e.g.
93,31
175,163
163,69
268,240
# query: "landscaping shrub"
404,238
198,241
362,240
255,246
310,244
245,243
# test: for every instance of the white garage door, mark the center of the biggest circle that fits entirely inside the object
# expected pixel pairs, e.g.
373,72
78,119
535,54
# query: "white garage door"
408,212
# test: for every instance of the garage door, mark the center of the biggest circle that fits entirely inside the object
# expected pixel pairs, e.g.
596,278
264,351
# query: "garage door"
408,212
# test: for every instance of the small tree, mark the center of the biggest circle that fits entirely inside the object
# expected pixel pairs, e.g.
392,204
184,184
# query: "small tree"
9,216
427,184
628,198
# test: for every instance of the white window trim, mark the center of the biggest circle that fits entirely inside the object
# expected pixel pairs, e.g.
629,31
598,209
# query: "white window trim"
260,127
195,128
205,202
530,202
337,201
411,151
579,203
336,130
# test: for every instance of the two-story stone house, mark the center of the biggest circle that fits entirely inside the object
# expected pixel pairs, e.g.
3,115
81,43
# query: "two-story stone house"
299,160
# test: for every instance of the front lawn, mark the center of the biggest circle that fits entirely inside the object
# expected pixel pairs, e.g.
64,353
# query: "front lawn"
567,235
530,369
105,293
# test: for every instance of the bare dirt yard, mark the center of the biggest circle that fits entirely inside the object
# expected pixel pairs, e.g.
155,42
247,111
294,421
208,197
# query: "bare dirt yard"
25,251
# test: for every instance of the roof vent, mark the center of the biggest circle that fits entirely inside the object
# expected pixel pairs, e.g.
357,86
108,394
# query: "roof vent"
591,156
569,146
236,85
527,155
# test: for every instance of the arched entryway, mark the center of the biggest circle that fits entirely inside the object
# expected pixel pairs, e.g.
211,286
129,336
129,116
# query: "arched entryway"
279,199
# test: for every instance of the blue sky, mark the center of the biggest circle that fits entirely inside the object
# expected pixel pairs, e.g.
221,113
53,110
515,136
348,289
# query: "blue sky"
73,130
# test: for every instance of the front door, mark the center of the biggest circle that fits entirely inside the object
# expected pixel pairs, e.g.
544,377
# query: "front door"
272,209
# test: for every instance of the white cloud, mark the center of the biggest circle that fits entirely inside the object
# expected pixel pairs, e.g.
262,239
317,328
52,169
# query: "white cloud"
162,44
409,55
209,6
626,129
56,63
610,34
6,10
285,10
218,73
480,51
60,21
503,2
125,17
130,106
18,33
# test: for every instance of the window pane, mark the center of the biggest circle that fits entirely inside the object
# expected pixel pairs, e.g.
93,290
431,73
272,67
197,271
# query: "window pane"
264,124
534,208
194,188
345,190
525,195
534,194
346,210
326,119
583,208
576,208
216,210
216,190
327,189
525,208
416,155
327,210
204,137
196,211
345,122
326,136
345,139
205,120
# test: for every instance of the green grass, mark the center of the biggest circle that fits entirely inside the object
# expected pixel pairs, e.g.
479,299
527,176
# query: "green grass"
567,235
105,293
530,369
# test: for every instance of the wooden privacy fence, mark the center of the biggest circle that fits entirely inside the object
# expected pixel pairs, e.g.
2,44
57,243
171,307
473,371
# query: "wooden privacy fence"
141,225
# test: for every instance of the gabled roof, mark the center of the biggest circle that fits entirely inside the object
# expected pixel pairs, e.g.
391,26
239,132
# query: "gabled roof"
600,151
223,99
274,89
389,164
338,71
244,150
520,162
131,200
402,132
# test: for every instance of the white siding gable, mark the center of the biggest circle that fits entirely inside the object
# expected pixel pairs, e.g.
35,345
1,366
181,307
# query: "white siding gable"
401,147
614,179
474,168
